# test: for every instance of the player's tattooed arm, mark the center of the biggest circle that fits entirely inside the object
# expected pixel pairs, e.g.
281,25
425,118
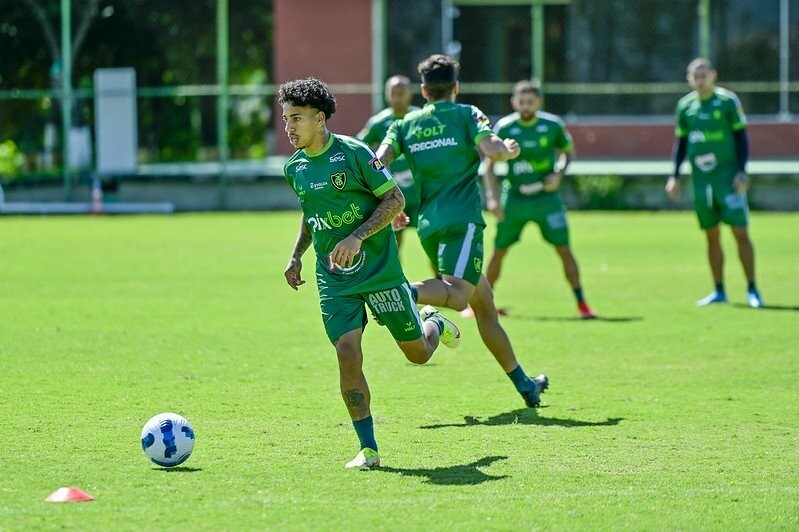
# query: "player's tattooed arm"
293,271
391,204
356,404
385,152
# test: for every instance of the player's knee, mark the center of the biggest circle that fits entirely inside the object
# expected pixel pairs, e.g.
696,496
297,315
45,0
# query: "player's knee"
348,351
417,352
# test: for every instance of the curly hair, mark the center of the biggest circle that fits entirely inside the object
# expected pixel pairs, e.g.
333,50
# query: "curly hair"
309,92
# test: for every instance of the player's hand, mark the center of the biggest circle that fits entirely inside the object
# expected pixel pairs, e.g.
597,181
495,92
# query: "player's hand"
400,222
513,147
293,273
552,182
494,206
673,188
346,251
741,182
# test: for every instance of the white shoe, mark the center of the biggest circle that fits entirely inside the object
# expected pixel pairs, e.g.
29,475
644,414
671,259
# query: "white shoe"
366,458
450,335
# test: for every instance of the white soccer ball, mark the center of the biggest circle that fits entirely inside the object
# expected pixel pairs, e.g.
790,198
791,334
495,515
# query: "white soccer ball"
168,439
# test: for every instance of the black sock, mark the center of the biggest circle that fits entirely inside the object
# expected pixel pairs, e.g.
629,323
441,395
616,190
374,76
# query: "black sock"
578,293
751,286
720,288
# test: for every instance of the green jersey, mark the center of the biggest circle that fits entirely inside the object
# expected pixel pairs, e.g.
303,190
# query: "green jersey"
338,190
440,142
708,124
539,139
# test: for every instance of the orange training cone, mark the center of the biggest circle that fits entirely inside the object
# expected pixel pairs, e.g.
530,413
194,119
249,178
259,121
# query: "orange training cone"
69,495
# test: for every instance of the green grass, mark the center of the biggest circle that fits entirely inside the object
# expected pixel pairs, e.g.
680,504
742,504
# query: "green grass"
661,416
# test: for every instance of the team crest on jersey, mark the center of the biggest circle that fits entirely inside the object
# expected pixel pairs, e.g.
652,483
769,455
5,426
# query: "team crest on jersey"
478,264
375,164
339,180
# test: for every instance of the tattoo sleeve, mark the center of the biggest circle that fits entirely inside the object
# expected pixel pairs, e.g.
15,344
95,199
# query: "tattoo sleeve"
356,404
391,204
303,239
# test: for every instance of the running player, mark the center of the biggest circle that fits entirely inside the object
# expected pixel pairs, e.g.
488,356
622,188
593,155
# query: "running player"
530,191
348,199
398,96
441,142
711,132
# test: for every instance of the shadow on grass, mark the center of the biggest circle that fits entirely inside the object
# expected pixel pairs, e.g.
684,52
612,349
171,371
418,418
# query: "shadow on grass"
769,307
457,475
178,469
525,416
609,319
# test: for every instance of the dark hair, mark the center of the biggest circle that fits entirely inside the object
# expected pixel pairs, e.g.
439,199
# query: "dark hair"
439,74
309,92
526,85
699,62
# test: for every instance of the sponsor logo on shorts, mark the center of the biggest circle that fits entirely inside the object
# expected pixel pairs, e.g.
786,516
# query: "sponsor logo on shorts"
387,301
409,326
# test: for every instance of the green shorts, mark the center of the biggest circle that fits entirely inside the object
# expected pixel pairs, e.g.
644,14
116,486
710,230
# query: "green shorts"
457,250
392,307
549,214
716,201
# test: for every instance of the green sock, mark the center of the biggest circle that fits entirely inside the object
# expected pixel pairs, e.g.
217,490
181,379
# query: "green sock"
521,380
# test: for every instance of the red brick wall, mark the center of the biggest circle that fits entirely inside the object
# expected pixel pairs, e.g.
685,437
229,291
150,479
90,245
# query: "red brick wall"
596,141
331,41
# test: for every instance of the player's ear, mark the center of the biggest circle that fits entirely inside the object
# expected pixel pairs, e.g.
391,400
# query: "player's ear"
424,91
320,118
456,88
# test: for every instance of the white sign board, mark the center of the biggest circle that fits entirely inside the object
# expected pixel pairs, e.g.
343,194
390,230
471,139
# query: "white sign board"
116,128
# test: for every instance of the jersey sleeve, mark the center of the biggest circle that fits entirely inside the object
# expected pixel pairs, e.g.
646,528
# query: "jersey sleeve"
479,125
394,138
735,114
369,134
681,128
374,176
563,139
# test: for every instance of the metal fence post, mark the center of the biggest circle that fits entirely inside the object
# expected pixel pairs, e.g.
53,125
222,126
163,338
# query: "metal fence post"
785,111
704,29
66,93
223,99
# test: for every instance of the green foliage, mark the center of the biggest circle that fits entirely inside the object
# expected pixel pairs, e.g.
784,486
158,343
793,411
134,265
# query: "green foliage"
600,191
10,160
663,416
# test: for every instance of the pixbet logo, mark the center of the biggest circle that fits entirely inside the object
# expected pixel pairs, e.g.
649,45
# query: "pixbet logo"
330,220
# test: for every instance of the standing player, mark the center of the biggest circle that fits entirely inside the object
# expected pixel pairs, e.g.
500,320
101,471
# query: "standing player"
398,96
530,190
441,142
711,132
348,200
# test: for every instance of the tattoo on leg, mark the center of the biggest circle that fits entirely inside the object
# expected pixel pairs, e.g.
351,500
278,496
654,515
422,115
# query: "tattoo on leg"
356,404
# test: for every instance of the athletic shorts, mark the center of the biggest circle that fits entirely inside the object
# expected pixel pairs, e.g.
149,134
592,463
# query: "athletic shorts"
716,201
457,250
392,307
549,214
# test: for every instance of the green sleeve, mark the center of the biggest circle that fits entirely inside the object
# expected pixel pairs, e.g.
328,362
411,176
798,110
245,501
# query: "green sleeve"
564,140
479,125
394,138
681,129
735,114
375,177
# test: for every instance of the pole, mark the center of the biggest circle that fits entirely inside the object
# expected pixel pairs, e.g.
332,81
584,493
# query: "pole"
704,28
537,41
223,100
66,93
785,111
378,53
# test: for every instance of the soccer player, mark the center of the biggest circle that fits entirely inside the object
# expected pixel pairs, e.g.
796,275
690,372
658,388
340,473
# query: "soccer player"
442,143
530,189
398,96
348,199
711,132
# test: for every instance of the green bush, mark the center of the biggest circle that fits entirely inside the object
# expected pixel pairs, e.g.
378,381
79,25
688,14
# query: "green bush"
11,160
600,191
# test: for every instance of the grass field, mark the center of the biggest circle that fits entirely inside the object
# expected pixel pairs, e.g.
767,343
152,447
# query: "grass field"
661,415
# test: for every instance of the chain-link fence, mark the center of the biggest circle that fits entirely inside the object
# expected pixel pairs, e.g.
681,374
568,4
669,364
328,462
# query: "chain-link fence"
203,95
